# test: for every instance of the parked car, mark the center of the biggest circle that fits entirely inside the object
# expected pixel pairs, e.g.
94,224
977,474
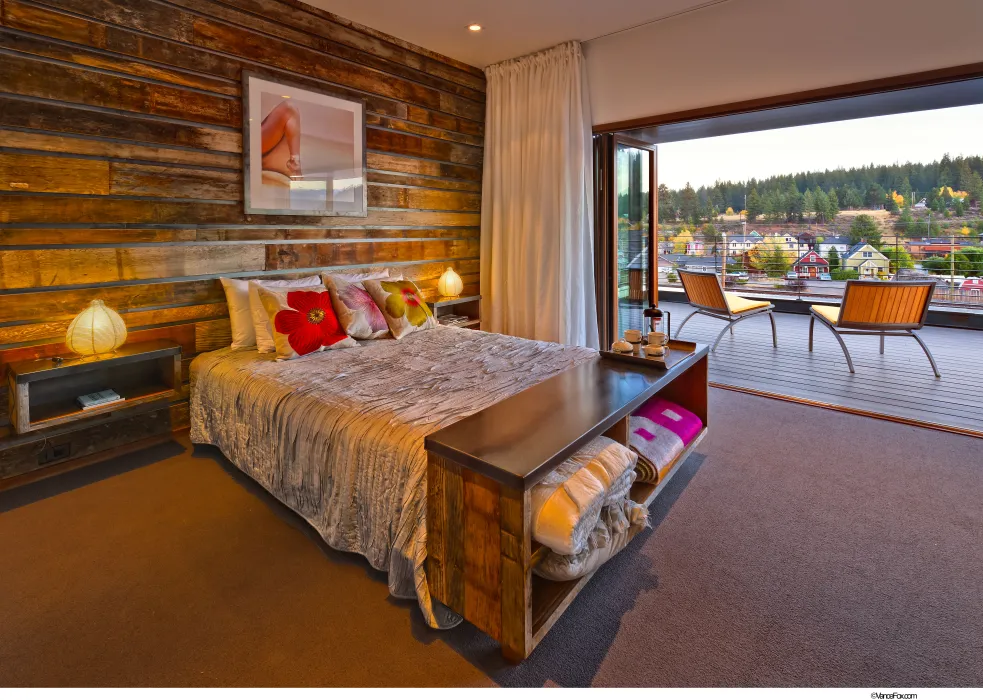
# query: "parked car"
737,275
791,275
825,277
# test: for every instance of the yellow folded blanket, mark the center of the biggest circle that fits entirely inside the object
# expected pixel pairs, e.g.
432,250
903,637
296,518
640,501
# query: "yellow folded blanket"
566,504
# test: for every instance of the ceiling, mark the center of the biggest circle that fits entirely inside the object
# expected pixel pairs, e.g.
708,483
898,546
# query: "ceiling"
510,28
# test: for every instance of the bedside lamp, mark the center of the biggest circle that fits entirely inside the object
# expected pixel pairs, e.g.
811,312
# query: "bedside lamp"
450,284
97,330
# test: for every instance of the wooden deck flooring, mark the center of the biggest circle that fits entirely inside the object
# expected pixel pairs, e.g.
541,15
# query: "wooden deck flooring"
898,385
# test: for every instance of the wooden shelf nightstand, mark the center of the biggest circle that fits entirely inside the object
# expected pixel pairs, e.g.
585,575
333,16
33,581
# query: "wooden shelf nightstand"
43,392
469,306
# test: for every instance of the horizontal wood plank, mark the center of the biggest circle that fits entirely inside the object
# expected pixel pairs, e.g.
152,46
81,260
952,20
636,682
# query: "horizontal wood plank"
21,209
58,143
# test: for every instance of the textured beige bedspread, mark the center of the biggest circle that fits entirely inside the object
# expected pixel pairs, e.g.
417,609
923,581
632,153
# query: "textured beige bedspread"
338,436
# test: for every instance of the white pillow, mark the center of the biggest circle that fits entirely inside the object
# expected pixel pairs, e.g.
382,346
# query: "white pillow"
344,278
237,299
262,331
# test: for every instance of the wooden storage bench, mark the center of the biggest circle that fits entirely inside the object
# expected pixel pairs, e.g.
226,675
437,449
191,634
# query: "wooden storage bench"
480,472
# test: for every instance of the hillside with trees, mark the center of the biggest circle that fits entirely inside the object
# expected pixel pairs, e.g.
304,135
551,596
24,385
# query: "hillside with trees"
946,184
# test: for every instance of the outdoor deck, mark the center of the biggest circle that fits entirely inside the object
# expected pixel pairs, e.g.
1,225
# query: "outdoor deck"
898,384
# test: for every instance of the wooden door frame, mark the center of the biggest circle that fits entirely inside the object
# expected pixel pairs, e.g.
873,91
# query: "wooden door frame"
905,81
612,195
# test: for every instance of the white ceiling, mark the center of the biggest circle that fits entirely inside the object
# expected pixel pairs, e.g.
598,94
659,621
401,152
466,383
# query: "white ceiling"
510,27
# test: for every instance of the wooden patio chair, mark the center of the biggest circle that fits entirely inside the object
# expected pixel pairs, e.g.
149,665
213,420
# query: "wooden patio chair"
704,291
871,307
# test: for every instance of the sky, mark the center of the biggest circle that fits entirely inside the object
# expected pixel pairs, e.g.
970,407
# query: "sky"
915,136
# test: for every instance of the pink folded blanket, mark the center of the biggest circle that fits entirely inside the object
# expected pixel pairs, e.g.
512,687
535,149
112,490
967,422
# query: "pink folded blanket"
659,431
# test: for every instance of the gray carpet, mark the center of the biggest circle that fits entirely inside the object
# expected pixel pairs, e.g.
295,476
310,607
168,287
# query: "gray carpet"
800,547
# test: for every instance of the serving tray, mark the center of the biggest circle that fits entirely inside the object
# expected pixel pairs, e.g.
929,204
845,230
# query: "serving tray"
676,352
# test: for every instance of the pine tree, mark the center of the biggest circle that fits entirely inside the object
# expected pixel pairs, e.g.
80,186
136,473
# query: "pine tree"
834,259
755,206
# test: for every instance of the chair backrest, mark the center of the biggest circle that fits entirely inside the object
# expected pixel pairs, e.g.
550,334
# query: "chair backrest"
896,305
703,290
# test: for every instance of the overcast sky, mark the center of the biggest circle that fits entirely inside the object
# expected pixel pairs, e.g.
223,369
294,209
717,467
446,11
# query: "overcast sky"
916,137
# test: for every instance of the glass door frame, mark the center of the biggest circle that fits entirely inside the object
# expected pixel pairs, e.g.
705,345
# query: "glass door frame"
612,235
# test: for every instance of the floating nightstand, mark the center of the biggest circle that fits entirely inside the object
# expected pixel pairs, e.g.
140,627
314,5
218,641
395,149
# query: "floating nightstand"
468,307
44,393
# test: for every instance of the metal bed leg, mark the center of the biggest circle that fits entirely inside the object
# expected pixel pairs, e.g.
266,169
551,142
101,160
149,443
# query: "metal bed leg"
812,325
774,330
935,367
882,343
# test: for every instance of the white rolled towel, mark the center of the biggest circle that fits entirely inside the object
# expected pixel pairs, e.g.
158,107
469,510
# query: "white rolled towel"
567,504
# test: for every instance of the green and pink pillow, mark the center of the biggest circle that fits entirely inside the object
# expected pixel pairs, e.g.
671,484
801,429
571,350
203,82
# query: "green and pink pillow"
401,305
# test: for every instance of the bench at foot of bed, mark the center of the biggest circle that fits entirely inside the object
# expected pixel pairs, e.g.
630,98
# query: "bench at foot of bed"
481,469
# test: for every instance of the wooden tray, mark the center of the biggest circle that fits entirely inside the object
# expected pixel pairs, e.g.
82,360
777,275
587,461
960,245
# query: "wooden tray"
676,351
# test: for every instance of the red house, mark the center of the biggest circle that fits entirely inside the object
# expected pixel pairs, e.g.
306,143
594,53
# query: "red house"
811,264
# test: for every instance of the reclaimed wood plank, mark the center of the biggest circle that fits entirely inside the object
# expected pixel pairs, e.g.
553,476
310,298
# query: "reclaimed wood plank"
20,173
27,76
88,266
60,118
61,144
113,210
302,255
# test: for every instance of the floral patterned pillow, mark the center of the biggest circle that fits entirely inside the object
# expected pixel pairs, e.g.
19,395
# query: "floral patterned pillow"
402,305
304,321
358,314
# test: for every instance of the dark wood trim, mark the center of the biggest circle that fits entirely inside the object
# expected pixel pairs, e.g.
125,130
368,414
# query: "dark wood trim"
866,87
621,139
846,409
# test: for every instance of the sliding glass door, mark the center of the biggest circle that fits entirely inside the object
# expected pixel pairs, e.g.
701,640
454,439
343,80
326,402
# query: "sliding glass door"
634,233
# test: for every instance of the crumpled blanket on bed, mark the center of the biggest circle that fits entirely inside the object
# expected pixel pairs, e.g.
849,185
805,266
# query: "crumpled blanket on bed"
338,436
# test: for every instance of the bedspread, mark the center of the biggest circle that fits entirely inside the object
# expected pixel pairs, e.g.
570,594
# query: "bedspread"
338,436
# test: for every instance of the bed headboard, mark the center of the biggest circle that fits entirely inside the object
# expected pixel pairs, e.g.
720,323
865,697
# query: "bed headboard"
126,182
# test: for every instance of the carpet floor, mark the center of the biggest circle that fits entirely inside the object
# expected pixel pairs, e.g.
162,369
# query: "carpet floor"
799,547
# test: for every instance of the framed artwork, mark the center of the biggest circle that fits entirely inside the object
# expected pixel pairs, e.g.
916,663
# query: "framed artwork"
303,151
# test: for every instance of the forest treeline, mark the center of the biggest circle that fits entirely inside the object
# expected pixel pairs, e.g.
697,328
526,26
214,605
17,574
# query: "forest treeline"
948,183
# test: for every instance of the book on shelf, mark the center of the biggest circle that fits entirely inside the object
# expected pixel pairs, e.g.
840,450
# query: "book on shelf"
98,399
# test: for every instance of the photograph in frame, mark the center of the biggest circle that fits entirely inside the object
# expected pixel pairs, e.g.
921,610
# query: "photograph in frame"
304,150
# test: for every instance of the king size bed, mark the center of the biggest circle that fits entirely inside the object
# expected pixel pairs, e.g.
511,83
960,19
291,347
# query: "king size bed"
338,436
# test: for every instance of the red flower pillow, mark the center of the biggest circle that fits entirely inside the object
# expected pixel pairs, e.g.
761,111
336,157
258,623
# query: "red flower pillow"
304,321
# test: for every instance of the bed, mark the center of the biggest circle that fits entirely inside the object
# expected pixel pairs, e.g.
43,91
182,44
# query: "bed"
338,437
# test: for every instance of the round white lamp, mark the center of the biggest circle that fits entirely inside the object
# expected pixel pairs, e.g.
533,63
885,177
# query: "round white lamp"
450,284
97,330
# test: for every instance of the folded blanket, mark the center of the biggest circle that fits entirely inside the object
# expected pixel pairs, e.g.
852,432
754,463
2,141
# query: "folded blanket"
659,431
567,504
615,527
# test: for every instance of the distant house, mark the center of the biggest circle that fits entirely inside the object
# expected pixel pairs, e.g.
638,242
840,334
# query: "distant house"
807,241
696,263
867,261
741,243
811,264
927,247
971,287
695,247
921,204
840,243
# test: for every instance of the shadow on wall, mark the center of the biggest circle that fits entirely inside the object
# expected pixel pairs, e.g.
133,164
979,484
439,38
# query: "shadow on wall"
573,651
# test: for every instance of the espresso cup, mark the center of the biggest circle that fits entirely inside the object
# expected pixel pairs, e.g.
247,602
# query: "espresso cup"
657,338
655,350
633,336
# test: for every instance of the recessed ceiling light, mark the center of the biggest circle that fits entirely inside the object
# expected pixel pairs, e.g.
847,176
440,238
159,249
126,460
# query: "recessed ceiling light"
474,27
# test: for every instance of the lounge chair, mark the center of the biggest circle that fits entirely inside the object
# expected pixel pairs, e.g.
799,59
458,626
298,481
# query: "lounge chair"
704,291
877,308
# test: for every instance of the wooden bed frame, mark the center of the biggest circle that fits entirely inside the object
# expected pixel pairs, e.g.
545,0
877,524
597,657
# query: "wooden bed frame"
480,472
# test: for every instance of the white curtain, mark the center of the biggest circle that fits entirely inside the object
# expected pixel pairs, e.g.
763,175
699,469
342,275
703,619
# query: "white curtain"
537,260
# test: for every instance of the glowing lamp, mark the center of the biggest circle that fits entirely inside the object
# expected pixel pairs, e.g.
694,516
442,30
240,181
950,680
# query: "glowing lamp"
450,284
98,329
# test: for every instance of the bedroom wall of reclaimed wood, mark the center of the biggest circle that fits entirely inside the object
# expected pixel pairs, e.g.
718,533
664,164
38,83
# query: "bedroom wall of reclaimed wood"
120,174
